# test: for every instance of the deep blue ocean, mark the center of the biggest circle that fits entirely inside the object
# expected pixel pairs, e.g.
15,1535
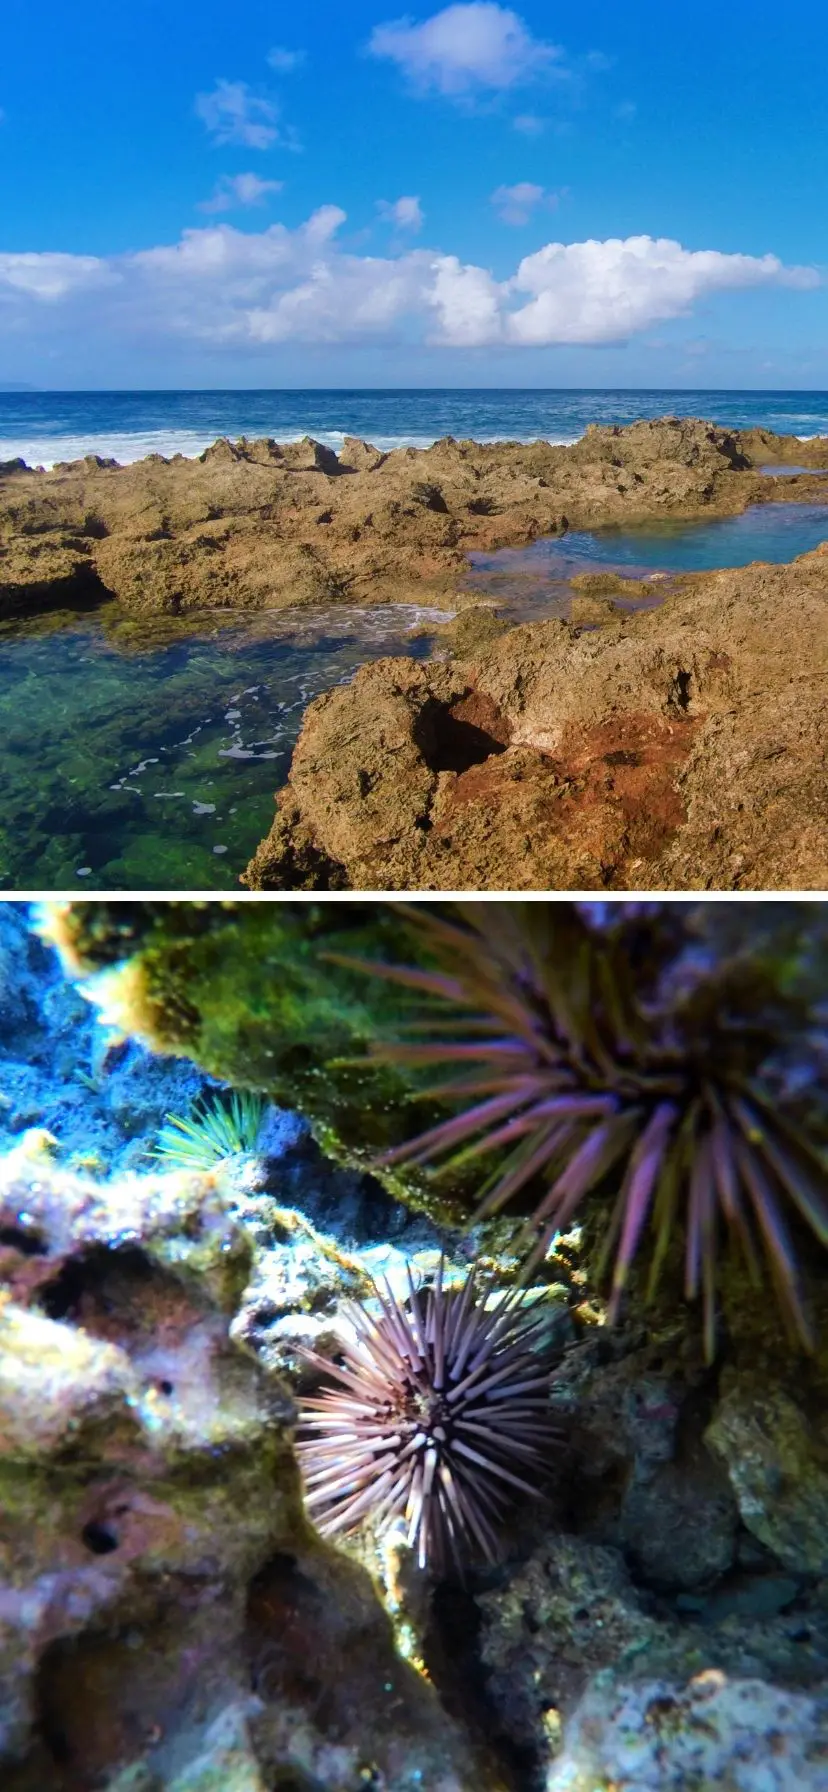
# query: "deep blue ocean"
47,426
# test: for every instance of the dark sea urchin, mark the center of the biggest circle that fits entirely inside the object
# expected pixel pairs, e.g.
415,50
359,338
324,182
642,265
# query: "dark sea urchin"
439,1411
583,1060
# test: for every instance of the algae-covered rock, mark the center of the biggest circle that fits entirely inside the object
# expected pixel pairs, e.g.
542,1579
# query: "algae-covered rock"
168,1620
776,1455
253,994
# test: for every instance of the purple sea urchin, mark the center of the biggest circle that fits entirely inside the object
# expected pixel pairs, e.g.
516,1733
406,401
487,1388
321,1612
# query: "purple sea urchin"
439,1413
581,1060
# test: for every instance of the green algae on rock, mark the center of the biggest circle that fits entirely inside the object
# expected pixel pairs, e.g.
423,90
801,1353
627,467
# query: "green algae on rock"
250,992
275,997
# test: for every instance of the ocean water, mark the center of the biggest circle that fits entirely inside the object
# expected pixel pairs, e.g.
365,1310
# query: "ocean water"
44,427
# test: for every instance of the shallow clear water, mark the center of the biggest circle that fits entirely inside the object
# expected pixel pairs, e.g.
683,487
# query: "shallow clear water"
155,767
523,577
48,426
152,763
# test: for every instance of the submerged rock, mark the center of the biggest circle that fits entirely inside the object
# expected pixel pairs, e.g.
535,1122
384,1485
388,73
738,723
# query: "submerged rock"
660,1736
168,1619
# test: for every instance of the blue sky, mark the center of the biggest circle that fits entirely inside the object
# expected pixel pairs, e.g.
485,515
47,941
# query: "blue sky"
475,194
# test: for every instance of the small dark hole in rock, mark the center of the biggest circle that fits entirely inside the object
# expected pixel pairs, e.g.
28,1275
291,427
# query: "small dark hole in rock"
621,757
99,1539
86,1277
452,738
29,1244
165,1388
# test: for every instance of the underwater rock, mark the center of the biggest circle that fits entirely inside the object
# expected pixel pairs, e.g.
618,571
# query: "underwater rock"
252,994
776,1455
168,1620
102,1097
659,1736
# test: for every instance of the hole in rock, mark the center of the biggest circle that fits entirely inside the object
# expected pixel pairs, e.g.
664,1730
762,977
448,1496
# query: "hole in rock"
452,1649
680,697
29,1244
99,1538
453,737
85,1278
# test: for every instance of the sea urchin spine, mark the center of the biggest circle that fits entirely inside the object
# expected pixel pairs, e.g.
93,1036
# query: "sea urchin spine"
575,1074
439,1414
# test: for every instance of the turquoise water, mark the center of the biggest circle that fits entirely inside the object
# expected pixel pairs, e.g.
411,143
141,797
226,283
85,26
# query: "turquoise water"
48,426
156,766
538,574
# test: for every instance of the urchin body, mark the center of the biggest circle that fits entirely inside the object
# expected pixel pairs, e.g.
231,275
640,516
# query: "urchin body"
439,1411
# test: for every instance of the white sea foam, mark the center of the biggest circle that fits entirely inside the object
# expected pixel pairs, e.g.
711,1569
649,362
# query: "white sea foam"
128,446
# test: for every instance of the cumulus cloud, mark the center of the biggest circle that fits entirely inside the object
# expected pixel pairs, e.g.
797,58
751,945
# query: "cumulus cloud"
515,205
608,291
227,287
465,48
233,114
240,190
49,276
405,213
285,61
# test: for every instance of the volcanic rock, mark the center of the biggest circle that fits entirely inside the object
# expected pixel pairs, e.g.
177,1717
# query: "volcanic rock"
681,748
259,525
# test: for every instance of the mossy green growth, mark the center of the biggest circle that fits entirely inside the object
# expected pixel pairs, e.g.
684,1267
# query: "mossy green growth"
258,995
255,994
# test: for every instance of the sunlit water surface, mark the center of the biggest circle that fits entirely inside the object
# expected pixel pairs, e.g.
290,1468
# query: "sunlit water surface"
534,581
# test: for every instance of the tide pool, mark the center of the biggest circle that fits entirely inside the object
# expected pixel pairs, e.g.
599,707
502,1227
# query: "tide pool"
134,759
154,764
521,576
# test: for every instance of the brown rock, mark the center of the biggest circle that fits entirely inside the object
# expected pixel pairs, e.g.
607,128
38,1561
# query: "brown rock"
240,526
673,750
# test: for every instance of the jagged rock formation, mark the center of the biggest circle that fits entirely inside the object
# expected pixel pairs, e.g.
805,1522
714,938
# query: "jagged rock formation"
259,525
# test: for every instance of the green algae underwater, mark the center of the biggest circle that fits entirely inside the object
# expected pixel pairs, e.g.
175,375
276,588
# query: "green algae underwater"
171,1619
696,1025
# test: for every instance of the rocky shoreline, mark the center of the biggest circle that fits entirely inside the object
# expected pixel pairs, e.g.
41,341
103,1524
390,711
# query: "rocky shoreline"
681,748
259,525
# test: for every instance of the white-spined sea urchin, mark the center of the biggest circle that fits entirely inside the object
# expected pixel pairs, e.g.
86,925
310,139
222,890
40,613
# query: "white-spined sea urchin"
439,1412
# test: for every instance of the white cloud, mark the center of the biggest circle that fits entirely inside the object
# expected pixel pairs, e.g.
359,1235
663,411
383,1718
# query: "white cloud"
529,125
465,48
607,291
467,302
240,190
406,213
515,205
233,114
231,288
53,276
285,61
